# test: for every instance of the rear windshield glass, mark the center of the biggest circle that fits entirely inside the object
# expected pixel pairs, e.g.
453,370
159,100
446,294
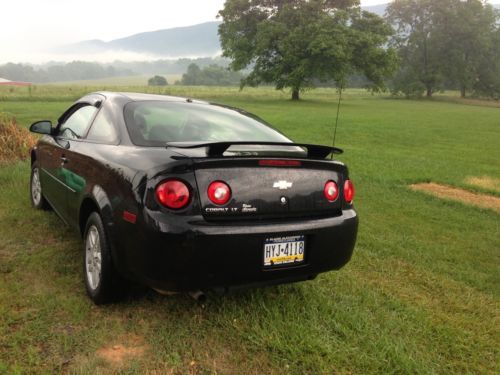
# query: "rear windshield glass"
154,123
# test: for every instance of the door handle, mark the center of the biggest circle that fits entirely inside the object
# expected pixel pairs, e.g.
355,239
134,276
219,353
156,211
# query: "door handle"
64,160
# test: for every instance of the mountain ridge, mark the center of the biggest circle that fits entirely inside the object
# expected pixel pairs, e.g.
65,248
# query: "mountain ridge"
185,41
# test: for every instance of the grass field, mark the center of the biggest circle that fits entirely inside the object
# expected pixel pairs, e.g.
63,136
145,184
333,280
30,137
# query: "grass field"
120,81
421,294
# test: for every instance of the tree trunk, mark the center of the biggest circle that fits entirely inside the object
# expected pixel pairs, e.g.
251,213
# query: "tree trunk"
426,60
462,91
295,94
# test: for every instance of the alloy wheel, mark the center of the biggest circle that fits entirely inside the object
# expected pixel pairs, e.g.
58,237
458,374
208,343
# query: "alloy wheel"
93,258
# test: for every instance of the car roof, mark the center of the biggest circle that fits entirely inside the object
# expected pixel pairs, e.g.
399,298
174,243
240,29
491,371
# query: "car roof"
138,97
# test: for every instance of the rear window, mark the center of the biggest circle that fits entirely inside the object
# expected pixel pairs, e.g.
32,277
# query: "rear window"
154,123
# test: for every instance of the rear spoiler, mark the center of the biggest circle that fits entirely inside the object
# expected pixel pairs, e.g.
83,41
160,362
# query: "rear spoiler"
215,149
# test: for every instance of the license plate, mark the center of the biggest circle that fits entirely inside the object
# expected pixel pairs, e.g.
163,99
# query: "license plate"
284,250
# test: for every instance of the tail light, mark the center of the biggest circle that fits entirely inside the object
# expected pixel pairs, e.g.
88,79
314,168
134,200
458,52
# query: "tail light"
219,192
173,194
331,191
348,191
280,163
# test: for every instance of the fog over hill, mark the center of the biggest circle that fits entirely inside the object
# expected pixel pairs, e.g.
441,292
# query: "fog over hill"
194,41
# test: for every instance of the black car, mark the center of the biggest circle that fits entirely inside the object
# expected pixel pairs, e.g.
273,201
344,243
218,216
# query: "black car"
184,195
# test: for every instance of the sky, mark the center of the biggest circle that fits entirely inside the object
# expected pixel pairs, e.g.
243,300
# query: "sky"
30,28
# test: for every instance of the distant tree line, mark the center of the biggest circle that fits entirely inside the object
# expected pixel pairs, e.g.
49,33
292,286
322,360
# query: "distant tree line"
215,75
80,70
178,66
212,75
76,70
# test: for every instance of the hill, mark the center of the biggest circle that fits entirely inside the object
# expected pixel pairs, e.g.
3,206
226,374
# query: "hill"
197,40
189,41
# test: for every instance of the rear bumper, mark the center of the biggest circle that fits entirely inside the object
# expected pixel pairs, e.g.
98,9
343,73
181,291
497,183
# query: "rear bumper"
192,254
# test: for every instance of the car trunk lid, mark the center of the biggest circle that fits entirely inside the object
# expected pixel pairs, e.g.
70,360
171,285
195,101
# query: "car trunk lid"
263,187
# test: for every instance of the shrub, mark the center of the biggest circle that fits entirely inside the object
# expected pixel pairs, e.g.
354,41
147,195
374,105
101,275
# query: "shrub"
157,81
404,82
15,142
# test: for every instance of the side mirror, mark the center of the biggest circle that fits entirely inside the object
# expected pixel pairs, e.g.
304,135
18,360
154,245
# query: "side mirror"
41,127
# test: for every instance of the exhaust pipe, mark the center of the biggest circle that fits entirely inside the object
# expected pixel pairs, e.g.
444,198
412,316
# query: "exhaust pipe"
165,292
198,296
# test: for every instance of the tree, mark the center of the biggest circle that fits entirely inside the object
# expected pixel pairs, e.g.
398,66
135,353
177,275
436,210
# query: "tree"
488,78
469,41
418,47
192,76
157,81
293,43
441,43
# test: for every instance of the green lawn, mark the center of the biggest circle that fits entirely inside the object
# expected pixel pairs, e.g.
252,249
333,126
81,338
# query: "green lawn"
421,294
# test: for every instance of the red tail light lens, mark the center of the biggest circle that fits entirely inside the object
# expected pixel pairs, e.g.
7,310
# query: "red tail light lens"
348,191
219,192
331,191
173,194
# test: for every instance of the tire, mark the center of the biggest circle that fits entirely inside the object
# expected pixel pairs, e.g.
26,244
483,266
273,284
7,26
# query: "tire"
38,201
102,281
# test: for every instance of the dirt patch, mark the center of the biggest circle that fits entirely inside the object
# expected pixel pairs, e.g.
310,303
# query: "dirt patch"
459,195
123,350
479,102
468,101
484,182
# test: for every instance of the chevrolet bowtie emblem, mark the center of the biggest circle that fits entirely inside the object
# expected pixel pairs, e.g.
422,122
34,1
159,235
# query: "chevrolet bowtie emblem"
282,185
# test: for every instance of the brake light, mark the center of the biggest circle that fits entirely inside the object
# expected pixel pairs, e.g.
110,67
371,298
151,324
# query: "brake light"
279,163
348,191
219,192
331,191
173,194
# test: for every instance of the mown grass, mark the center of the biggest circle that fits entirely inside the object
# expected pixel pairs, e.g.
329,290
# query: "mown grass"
421,294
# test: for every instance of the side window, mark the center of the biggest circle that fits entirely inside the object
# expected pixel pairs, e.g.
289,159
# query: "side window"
102,129
75,125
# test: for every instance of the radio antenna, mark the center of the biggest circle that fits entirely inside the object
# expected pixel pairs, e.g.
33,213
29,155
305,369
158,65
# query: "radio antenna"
338,113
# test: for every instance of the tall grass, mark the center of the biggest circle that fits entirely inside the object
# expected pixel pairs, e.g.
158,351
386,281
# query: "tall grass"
15,142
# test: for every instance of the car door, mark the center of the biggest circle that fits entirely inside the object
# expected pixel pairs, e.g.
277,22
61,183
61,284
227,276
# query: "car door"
88,165
72,127
49,157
